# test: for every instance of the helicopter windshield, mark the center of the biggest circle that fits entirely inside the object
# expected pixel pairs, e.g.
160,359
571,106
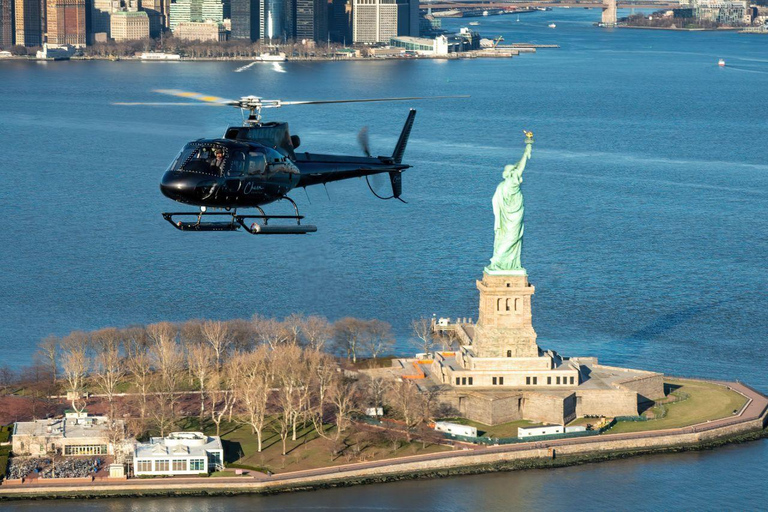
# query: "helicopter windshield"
207,159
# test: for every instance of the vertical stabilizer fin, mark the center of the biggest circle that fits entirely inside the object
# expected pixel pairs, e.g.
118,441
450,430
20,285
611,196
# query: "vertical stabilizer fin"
397,156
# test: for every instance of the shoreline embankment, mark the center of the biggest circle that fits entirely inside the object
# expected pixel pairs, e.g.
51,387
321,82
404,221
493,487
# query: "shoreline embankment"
748,425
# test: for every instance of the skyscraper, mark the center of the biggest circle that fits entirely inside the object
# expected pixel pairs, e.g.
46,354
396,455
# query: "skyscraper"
340,22
311,20
408,18
66,22
6,23
273,20
101,10
29,22
245,19
374,21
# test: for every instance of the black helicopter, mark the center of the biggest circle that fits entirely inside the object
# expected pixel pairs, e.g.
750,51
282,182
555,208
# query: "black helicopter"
257,163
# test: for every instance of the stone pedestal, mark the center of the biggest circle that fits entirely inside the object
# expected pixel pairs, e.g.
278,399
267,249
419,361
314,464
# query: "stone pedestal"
504,327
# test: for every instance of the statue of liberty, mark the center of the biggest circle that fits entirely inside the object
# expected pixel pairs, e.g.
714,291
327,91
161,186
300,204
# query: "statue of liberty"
508,210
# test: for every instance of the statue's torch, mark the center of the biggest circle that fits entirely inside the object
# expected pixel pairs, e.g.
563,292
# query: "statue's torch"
528,137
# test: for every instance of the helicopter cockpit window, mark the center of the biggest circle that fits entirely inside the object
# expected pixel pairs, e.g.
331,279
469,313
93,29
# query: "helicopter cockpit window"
257,163
206,160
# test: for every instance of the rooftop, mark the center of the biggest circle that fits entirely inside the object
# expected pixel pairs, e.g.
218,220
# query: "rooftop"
72,426
178,443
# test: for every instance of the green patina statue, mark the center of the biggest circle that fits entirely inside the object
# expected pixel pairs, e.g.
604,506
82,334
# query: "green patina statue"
508,208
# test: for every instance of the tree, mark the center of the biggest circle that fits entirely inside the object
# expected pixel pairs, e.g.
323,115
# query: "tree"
344,396
161,412
405,399
108,368
425,338
317,331
216,334
200,360
222,399
49,354
139,365
347,334
324,372
167,356
253,389
287,362
270,331
7,378
377,337
75,363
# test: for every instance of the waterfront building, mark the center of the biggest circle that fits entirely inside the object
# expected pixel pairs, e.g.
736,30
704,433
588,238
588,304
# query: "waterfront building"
30,18
722,12
6,23
201,31
245,19
74,434
129,26
66,22
181,453
440,45
275,19
374,21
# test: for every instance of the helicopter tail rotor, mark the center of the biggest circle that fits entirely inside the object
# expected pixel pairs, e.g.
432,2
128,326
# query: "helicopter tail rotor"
363,140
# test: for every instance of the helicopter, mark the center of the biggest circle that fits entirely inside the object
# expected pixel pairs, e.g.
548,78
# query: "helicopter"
257,163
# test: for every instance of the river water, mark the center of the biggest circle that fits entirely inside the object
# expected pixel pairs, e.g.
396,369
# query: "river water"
645,223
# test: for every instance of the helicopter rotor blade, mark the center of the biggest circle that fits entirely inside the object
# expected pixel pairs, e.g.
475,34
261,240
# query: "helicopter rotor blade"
169,103
199,97
280,103
362,139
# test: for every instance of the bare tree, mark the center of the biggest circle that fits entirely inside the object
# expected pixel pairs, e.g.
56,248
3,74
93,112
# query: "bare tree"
139,365
425,339
75,363
253,389
161,412
216,334
167,356
48,349
200,359
108,368
7,378
270,331
405,398
377,337
222,399
287,361
323,373
317,331
344,397
347,334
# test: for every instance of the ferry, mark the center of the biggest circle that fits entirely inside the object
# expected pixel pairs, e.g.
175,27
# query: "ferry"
552,25
271,57
721,63
159,56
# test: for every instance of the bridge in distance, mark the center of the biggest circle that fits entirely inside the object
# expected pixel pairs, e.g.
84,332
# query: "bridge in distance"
485,4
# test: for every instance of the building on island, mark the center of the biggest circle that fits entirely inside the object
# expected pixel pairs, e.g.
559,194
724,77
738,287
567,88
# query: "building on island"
129,26
180,453
75,434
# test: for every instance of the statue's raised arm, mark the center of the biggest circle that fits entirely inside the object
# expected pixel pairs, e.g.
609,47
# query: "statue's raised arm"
508,210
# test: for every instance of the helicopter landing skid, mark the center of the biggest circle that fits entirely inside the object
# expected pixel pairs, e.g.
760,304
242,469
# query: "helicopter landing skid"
234,222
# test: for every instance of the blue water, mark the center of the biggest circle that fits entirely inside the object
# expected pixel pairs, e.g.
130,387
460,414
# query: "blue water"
645,209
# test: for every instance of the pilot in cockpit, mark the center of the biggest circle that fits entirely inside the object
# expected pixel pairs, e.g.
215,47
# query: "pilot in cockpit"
218,161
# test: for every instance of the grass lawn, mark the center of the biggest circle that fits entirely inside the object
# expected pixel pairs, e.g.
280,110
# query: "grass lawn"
496,431
309,451
706,401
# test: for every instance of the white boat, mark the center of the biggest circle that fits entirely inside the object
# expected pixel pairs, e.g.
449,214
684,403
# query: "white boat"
160,56
721,63
551,25
518,17
485,13
271,57
474,23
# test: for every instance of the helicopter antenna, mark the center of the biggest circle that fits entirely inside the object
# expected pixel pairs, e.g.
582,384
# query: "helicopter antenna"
255,104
